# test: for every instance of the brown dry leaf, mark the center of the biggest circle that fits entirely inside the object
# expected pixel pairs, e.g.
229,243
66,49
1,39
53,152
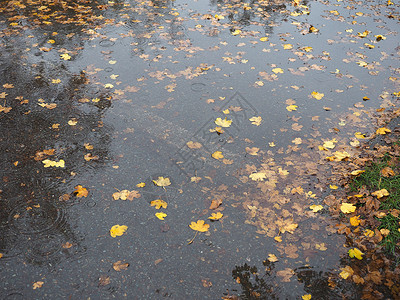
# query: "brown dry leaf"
387,172
104,280
357,279
215,203
119,266
193,145
286,274
297,127
42,154
252,151
374,276
5,109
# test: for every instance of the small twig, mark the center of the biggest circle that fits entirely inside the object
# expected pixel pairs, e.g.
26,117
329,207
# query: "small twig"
191,241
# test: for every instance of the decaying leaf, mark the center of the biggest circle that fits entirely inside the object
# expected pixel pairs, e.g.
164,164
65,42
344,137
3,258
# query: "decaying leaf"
119,266
252,150
126,195
161,181
346,272
286,274
215,203
193,145
199,226
37,285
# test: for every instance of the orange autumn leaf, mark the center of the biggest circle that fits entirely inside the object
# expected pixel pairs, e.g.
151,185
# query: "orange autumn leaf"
216,216
355,221
80,191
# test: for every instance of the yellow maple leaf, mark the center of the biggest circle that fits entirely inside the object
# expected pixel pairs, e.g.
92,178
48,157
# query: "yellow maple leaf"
316,208
199,226
223,123
339,156
306,297
159,203
161,215
356,253
216,216
317,95
346,272
141,184
355,221
259,176
118,230
359,135
383,130
381,193
347,208
288,227
369,233
80,191
291,107
161,181
217,155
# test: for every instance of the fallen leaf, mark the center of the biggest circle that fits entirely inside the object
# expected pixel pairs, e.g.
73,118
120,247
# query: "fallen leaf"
252,150
159,203
316,208
291,107
317,95
277,70
161,181
256,121
346,272
141,184
199,226
217,155
65,56
355,221
80,191
223,123
384,231
387,172
119,266
286,274
287,46
193,145
118,230
306,297
216,216
347,208
357,172
321,247
104,280
37,285
272,258
50,163
381,193
356,253
383,130
161,215
259,176
215,203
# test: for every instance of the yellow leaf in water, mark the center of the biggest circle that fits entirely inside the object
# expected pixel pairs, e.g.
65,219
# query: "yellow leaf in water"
252,150
316,208
317,95
277,70
306,297
37,285
283,172
223,123
307,49
359,135
141,184
321,247
217,155
364,34
256,121
329,144
216,216
383,130
199,226
80,191
236,32
355,221
346,272
278,239
341,155
108,86
161,215
356,253
347,208
118,230
264,39
260,176
73,122
161,181
381,193
159,203
271,144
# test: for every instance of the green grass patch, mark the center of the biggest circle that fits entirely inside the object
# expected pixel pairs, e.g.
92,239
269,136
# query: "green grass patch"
373,179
